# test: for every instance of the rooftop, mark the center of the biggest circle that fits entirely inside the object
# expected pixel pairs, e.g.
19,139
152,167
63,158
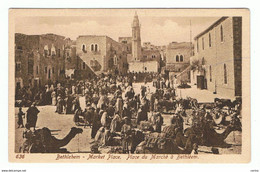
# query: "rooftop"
210,27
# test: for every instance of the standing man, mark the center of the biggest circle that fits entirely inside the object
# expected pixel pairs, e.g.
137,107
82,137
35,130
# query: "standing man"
32,115
20,118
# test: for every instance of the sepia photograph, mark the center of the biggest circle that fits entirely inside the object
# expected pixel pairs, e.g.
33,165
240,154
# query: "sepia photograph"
129,85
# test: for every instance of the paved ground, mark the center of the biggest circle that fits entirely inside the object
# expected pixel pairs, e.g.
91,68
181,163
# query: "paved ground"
81,143
200,95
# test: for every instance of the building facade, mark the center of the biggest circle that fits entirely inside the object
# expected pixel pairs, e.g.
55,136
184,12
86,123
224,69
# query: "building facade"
178,56
143,67
178,60
39,59
218,57
101,54
127,42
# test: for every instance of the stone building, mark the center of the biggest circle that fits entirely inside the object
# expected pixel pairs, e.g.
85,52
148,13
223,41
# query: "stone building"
127,42
178,56
39,59
101,54
142,59
217,63
178,60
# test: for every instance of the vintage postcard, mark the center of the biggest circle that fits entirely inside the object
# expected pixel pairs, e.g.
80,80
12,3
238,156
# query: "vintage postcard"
129,85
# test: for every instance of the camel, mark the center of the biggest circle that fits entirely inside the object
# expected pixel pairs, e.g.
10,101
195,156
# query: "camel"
44,142
210,137
166,143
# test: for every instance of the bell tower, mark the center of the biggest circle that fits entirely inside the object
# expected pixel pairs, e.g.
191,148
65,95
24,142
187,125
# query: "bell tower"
136,39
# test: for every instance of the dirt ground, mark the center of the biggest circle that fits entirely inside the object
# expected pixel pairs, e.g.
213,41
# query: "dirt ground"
62,123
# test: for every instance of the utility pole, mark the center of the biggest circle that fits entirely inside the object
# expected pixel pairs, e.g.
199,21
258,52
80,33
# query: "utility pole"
190,40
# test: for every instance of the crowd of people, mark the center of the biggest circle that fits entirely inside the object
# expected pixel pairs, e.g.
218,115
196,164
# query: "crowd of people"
119,115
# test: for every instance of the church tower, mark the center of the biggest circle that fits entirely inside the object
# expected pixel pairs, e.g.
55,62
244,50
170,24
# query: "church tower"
136,39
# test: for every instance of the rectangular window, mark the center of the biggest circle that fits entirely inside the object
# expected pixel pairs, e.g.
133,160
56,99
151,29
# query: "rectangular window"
58,52
18,66
203,43
115,60
37,70
45,53
19,47
30,66
225,74
197,45
210,74
45,70
209,40
221,34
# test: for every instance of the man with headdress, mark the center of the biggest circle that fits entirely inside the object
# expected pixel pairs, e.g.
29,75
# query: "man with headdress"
59,104
53,95
88,115
126,132
141,115
32,115
126,112
96,123
119,105
158,122
110,109
115,123
20,118
104,119
76,103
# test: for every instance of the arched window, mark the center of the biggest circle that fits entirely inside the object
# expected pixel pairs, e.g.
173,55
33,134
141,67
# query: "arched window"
46,49
225,74
221,34
58,52
115,60
181,58
203,43
83,48
210,74
92,47
49,74
96,47
197,45
209,40
177,58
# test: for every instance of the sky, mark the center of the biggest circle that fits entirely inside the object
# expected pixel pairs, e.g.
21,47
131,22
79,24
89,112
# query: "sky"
157,29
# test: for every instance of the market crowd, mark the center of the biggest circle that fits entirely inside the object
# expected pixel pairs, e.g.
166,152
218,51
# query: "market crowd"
119,116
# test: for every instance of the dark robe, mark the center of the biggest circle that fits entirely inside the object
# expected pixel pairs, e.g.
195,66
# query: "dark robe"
32,116
96,124
20,118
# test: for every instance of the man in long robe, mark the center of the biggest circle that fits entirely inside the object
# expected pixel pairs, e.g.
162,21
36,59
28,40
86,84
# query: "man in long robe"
32,116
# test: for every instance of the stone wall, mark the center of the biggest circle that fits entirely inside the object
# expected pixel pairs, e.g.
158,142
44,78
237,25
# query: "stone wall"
178,56
109,56
215,50
40,57
148,66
